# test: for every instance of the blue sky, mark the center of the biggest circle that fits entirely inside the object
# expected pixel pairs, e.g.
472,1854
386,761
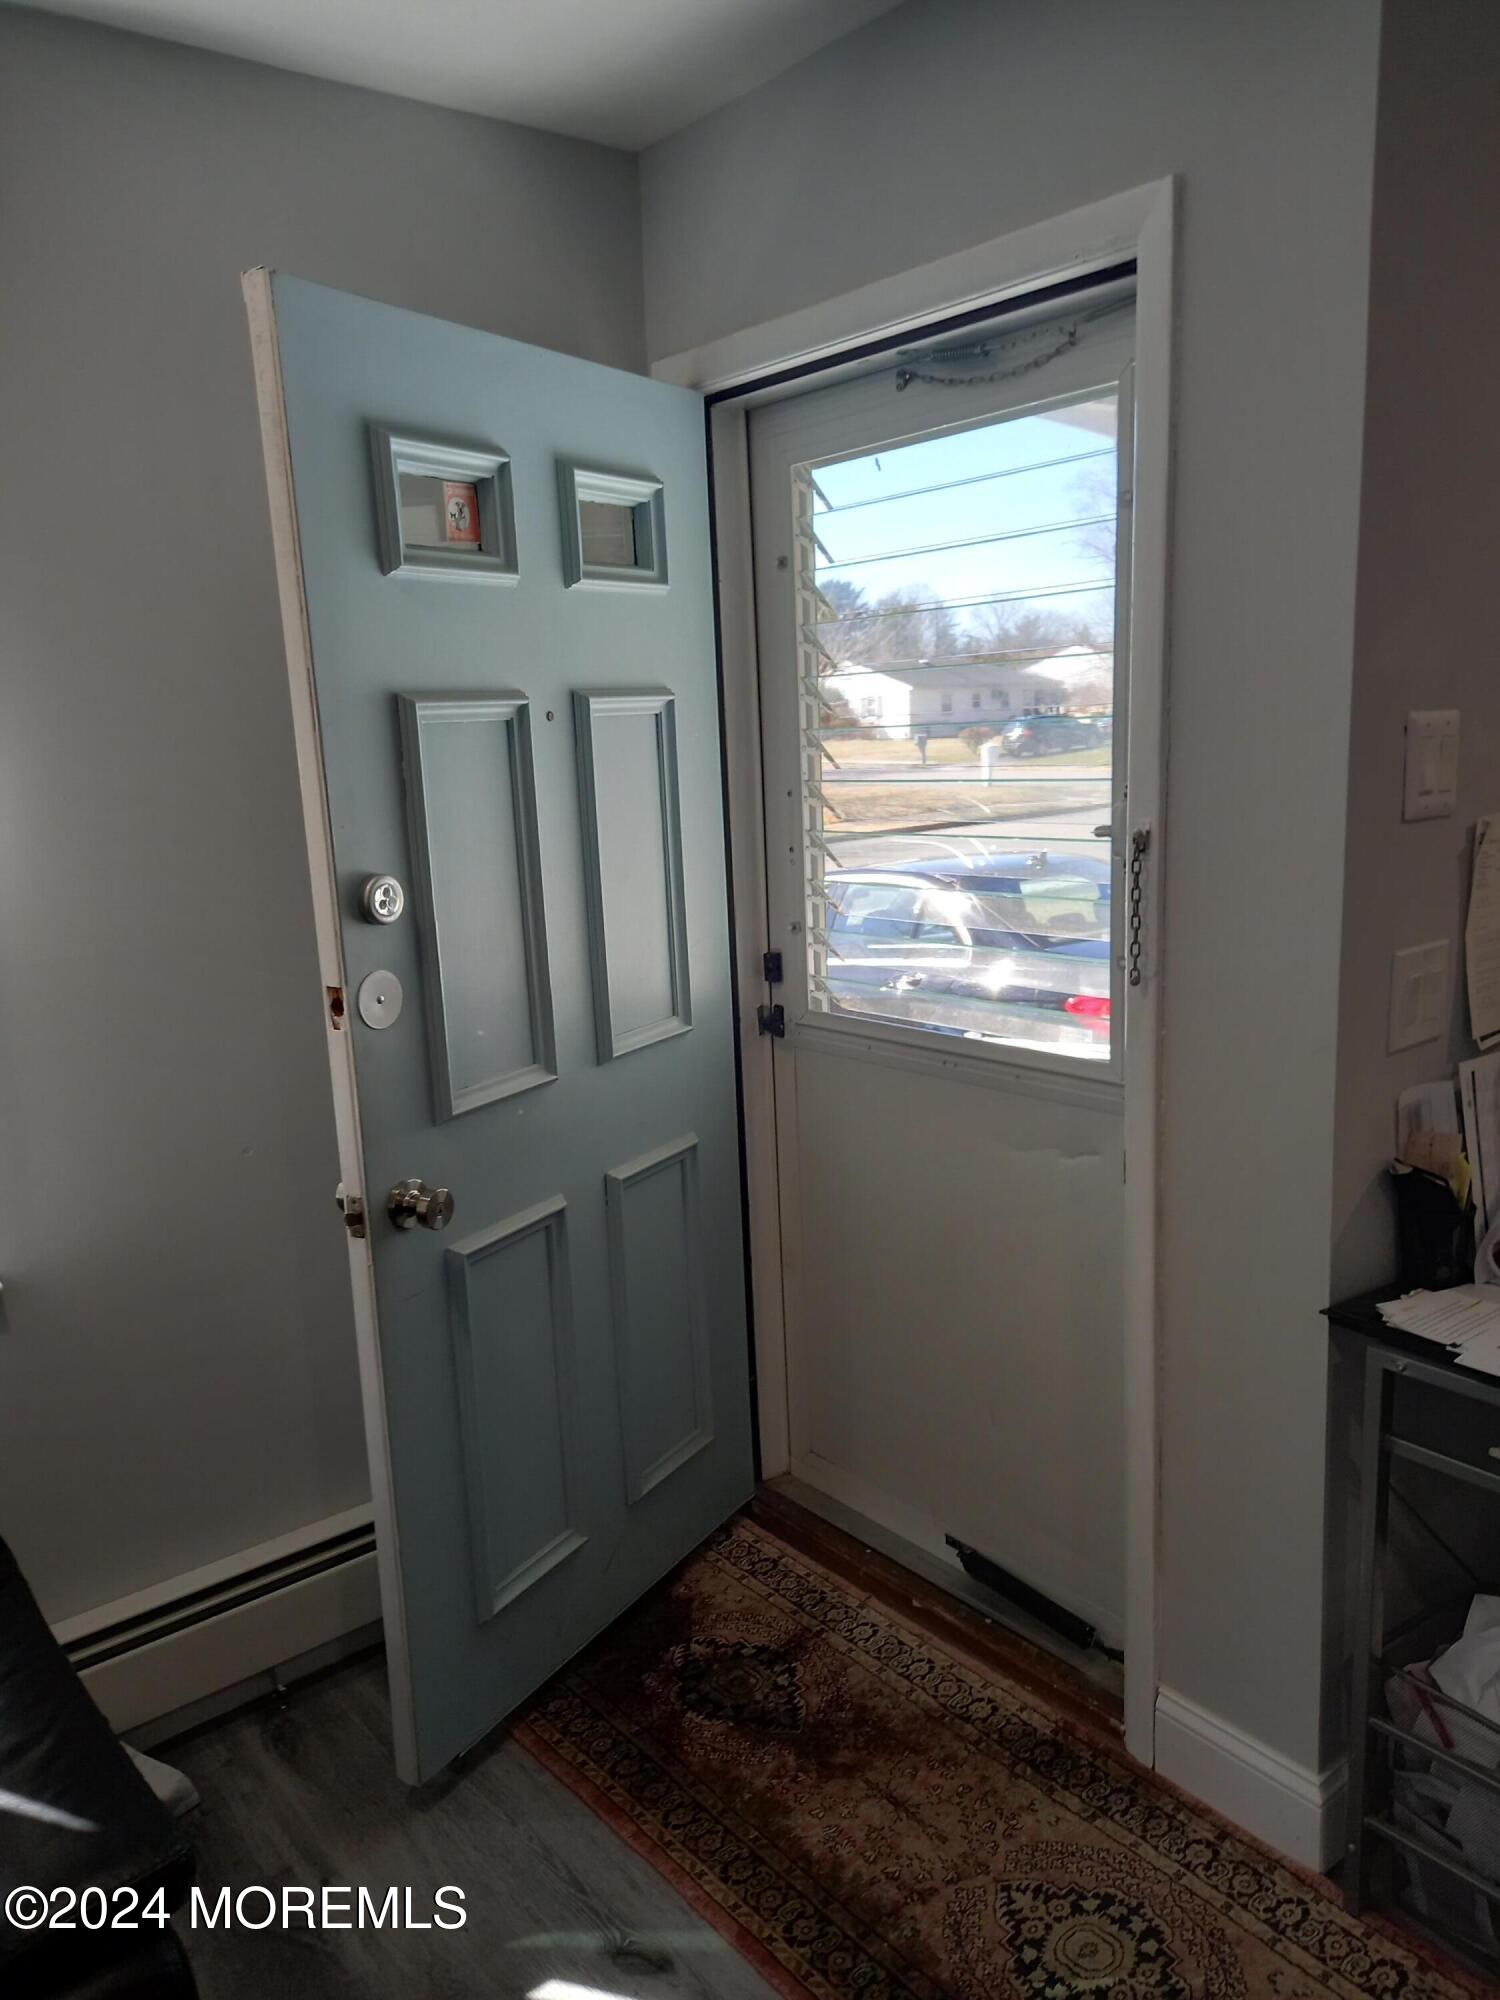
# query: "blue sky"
1052,492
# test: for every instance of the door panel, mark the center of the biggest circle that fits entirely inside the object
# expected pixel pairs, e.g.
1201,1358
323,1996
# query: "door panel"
472,835
627,746
957,1366
666,1401
512,1308
557,1389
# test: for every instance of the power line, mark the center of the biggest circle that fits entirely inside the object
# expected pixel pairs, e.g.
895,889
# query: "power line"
976,603
971,542
970,662
949,485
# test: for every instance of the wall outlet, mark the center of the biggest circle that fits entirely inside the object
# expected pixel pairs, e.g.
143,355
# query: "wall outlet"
1419,994
1431,763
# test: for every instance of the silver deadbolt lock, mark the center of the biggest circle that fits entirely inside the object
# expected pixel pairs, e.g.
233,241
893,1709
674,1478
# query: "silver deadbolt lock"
413,1204
381,899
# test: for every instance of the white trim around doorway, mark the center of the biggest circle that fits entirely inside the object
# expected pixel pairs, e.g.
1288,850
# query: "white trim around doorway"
1137,224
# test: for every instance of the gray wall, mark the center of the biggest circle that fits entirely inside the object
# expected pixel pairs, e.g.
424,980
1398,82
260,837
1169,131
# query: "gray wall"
954,121
177,1376
1429,530
1429,538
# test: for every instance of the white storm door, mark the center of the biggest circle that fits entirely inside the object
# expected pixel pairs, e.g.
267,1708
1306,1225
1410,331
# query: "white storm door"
494,563
944,711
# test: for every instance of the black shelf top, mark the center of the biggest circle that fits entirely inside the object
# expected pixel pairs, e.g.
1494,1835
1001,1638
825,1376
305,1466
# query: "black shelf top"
1361,1315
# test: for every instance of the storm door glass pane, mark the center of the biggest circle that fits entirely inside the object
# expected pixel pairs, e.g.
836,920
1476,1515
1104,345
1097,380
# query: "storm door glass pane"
958,669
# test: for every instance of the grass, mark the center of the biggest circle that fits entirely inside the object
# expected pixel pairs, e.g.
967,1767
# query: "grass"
901,750
851,808
948,750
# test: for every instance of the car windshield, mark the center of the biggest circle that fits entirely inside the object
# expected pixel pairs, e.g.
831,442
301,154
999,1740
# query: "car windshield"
1059,909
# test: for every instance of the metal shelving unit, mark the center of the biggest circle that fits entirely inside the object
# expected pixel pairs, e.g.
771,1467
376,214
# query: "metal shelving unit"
1382,1751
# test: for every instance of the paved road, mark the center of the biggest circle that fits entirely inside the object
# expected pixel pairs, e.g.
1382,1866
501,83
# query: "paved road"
1010,770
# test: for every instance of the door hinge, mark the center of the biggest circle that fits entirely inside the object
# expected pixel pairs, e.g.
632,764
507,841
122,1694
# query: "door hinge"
772,1020
771,967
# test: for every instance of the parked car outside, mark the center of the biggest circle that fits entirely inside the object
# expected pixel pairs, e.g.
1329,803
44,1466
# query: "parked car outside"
1011,948
1046,735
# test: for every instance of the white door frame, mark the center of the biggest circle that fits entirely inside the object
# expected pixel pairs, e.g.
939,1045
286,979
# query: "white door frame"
1139,225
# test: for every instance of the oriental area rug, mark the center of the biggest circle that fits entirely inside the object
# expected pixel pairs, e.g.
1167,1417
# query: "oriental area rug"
865,1814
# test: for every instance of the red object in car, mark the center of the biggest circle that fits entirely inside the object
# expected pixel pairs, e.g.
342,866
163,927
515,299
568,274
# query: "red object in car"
1094,1006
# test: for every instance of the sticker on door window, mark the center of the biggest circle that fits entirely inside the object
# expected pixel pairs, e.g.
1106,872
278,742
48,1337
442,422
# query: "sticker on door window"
443,509
461,513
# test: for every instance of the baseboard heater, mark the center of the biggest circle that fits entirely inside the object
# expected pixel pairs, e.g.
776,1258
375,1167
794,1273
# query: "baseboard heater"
231,1593
1025,1596
201,1642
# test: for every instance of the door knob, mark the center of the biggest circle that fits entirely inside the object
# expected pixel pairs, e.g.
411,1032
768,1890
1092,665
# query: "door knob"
411,1203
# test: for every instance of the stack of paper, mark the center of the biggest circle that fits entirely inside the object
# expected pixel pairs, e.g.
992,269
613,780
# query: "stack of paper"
1465,1320
1482,935
1479,1092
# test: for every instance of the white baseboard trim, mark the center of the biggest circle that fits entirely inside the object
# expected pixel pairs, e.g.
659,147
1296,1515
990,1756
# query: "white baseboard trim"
193,1637
1298,1812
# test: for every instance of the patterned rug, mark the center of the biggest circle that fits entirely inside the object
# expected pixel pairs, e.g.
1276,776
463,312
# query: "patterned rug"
863,1814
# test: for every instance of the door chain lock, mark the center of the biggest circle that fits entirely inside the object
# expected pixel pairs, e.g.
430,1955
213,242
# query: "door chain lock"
1140,841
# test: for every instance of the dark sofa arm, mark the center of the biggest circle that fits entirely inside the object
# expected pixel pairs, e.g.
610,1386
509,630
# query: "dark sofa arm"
78,1814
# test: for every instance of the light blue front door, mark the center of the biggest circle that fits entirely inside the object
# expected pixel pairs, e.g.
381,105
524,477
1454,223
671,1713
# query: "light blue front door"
503,628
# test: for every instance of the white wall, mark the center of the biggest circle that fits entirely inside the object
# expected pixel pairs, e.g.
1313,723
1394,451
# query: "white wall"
177,1375
951,122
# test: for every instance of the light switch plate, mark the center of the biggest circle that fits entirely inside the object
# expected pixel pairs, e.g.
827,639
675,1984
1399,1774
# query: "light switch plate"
1431,763
1419,994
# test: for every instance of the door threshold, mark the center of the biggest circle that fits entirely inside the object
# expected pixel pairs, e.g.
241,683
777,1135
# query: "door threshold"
943,1601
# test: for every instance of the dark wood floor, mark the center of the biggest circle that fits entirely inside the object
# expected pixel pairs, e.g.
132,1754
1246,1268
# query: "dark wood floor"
559,1908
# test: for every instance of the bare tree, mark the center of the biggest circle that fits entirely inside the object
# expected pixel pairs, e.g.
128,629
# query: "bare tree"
903,626
1020,632
1093,491
843,598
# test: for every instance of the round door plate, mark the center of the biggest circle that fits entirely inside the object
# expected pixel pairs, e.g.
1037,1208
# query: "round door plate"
380,999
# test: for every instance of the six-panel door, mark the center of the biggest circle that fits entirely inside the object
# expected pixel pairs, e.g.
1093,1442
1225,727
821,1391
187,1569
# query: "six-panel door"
517,717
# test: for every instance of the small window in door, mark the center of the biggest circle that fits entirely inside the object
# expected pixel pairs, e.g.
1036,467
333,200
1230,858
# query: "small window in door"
960,872
439,513
613,527
606,530
443,509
